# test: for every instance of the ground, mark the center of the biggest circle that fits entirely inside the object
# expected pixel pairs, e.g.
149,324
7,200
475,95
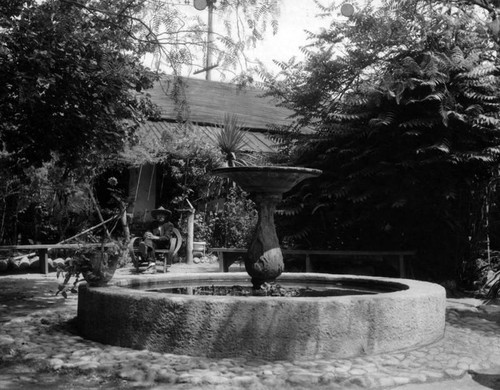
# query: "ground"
40,349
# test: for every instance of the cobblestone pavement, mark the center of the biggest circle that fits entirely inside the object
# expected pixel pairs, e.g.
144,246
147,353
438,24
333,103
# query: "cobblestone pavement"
40,350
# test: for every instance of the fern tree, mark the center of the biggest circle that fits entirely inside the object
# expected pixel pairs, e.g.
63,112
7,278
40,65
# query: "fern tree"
404,105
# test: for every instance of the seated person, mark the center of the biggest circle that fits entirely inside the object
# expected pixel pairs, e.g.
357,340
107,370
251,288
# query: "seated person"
157,237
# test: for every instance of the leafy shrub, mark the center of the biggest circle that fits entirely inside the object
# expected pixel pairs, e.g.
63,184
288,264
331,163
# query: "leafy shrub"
231,226
95,265
235,224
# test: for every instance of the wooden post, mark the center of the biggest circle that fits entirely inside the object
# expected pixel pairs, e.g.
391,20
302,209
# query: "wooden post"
402,270
222,268
190,233
43,261
308,263
190,237
126,228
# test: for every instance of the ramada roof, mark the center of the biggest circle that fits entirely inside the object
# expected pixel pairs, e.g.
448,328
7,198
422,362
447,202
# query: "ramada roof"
208,101
254,141
201,105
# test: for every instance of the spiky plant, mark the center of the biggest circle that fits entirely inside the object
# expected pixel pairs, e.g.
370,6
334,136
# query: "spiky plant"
231,139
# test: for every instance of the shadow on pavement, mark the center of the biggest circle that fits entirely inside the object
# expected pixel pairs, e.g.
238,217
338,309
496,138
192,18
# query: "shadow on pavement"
491,381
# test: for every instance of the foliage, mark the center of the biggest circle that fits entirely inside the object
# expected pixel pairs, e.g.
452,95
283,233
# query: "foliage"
186,163
234,225
403,100
46,207
42,206
95,265
66,79
231,226
203,227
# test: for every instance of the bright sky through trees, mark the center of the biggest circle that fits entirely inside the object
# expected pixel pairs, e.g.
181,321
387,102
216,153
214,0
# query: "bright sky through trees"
295,17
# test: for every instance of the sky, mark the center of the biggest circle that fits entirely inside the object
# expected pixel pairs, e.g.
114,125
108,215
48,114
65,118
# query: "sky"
296,16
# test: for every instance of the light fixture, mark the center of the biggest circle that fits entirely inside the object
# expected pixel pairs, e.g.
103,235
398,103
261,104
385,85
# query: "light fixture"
200,5
347,10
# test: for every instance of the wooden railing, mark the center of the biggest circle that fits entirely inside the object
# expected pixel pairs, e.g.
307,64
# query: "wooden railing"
225,261
43,249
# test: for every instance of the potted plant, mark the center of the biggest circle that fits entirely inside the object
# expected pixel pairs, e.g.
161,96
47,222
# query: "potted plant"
96,266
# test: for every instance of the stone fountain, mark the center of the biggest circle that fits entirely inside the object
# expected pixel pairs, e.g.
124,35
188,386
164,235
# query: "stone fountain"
264,260
371,315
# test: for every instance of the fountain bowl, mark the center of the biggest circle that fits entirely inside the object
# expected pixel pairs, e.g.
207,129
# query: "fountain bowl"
270,179
404,314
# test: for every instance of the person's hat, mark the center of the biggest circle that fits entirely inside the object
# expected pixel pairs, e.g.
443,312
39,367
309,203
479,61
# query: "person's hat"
160,210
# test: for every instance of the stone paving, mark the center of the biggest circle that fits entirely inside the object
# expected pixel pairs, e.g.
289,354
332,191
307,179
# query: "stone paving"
39,349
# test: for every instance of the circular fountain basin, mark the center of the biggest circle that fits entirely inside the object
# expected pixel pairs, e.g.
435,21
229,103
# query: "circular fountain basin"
379,315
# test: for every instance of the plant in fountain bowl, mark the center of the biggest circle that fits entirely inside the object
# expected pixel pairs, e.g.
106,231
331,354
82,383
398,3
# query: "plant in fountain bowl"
97,266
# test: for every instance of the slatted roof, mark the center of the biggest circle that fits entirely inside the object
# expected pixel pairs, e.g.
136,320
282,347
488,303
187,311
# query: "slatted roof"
254,141
208,101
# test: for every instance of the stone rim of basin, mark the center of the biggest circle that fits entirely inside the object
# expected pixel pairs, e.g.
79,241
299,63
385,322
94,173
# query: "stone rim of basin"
272,328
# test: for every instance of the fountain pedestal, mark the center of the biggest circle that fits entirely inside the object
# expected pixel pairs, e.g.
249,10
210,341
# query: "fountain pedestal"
264,260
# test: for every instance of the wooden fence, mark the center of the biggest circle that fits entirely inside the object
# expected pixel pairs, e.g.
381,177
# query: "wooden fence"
42,251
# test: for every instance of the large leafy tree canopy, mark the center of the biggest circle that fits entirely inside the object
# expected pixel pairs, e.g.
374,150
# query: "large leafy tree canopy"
403,100
67,73
66,80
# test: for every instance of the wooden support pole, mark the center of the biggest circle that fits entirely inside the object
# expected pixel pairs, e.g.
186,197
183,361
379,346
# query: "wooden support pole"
43,261
402,270
190,233
222,268
126,228
190,237
308,263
